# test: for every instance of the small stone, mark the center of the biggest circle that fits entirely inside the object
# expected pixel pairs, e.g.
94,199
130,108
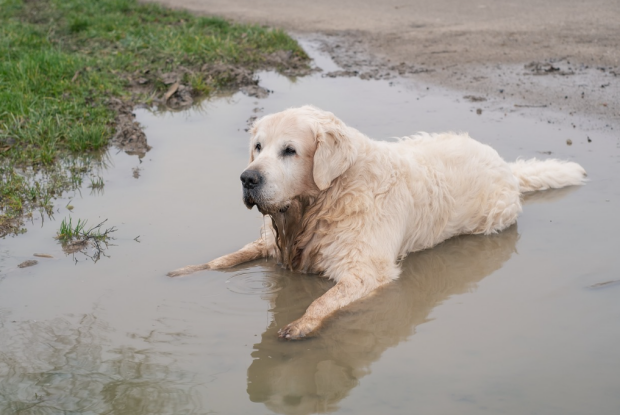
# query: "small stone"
569,142
28,263
479,111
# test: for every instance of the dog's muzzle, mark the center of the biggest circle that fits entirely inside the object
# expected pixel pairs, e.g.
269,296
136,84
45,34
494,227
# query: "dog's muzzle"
251,179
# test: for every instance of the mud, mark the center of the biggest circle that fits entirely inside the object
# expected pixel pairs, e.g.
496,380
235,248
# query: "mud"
524,321
129,135
28,263
566,87
478,49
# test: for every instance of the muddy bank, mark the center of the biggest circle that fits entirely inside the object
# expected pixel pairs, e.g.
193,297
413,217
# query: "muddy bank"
178,92
486,49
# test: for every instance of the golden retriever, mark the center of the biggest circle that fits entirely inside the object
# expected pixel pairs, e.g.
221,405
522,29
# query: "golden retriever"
349,208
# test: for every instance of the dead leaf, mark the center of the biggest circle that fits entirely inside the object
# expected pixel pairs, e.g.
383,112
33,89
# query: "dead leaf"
171,91
75,76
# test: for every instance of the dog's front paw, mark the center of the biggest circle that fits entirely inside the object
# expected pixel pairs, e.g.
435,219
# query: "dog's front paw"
298,329
176,273
187,270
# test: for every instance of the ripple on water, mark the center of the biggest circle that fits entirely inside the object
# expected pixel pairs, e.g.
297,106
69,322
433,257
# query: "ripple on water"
252,283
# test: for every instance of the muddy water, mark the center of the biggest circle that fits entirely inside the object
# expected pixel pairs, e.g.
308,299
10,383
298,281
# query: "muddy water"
527,321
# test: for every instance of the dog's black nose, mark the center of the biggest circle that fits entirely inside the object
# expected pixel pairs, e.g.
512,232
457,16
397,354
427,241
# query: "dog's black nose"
251,179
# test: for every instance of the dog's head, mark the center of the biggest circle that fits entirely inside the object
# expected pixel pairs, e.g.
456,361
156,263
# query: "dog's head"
293,153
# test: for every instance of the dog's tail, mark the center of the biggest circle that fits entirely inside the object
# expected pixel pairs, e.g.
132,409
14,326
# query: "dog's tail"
547,174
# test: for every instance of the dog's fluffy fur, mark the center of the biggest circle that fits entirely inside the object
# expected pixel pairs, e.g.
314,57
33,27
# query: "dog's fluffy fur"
347,207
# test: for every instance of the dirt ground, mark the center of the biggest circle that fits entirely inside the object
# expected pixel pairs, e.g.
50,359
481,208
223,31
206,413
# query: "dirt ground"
563,55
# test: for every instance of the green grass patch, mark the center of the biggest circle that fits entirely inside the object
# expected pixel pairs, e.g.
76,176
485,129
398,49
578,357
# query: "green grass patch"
75,237
77,232
69,231
63,60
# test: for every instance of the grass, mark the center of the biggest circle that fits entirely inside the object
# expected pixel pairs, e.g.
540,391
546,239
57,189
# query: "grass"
96,184
63,60
75,238
68,231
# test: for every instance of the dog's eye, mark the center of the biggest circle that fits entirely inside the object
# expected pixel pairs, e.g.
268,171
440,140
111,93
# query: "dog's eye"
258,147
289,151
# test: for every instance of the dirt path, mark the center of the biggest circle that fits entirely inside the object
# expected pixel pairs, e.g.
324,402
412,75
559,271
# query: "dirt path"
563,55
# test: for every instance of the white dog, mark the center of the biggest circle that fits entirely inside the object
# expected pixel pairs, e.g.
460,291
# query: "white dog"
347,207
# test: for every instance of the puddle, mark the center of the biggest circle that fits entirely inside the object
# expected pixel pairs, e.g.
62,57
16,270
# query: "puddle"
501,324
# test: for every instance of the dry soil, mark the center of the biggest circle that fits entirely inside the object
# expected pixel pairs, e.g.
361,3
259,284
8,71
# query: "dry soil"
563,55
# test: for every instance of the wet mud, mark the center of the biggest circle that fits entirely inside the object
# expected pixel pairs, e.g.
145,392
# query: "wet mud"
525,321
179,94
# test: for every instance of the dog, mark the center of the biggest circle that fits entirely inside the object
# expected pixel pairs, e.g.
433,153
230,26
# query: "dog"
350,208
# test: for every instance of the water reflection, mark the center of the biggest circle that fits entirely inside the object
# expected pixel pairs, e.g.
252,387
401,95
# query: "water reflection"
64,366
315,375
548,196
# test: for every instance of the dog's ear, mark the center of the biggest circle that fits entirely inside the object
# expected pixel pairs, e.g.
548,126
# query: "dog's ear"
335,150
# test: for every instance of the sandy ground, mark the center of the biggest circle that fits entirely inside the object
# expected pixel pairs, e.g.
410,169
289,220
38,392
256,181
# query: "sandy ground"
563,55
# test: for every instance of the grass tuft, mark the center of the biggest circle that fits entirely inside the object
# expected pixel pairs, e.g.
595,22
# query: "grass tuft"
68,231
75,238
78,24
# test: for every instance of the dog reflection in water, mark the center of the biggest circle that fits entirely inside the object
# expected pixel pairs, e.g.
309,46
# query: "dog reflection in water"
305,378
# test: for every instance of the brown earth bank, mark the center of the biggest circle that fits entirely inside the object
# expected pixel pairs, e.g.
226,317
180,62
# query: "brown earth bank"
129,135
563,55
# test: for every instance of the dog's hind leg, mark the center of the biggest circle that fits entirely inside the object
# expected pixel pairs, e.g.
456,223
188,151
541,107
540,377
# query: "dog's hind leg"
253,250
